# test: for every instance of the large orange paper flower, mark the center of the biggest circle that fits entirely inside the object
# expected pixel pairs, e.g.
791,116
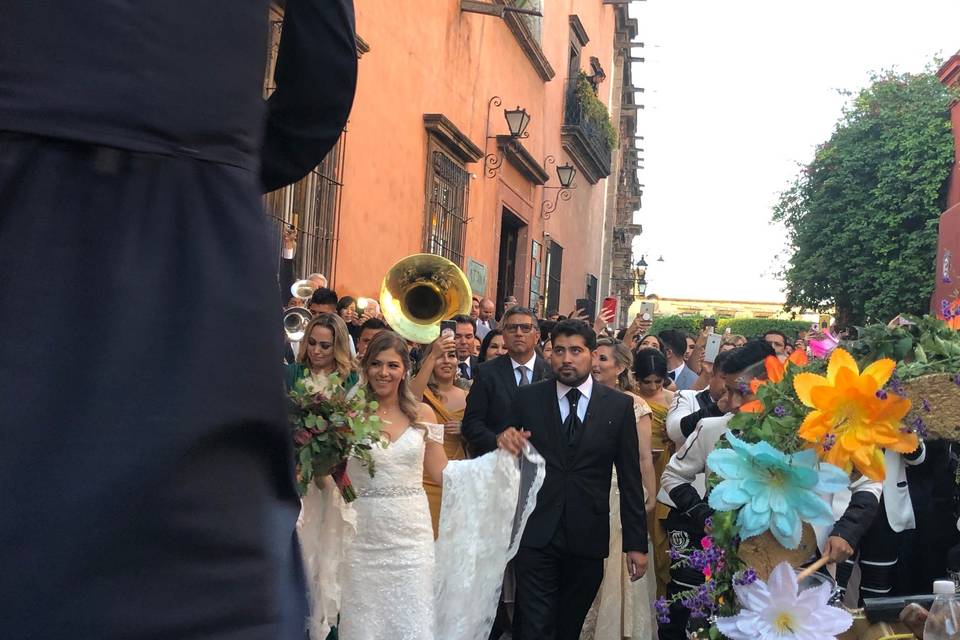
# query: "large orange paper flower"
852,423
776,370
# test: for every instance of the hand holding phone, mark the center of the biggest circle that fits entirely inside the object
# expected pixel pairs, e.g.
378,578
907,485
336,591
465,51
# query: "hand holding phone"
712,348
448,326
609,308
646,310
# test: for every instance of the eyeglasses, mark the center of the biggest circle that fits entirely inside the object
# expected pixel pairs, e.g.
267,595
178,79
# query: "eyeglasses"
524,327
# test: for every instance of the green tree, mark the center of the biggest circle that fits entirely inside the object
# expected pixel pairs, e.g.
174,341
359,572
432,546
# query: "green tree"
862,216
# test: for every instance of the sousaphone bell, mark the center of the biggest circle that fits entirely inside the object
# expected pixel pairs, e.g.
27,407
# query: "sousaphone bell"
421,290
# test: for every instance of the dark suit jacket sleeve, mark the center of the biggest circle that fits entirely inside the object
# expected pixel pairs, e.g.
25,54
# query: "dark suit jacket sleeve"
285,280
633,518
857,518
316,76
474,426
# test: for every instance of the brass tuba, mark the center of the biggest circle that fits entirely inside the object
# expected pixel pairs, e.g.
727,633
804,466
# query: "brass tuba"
295,321
421,290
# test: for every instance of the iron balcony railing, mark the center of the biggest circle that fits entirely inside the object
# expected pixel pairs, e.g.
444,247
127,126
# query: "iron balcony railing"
575,115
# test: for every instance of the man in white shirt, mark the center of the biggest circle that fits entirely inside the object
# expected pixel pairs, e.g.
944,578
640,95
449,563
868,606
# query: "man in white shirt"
485,320
495,382
690,407
675,346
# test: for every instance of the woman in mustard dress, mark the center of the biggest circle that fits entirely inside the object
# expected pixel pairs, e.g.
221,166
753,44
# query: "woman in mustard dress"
436,385
650,372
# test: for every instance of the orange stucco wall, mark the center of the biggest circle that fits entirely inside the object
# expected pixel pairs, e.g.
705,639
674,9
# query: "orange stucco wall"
947,266
427,57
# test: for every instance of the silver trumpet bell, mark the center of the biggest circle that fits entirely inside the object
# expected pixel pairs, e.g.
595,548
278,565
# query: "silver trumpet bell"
295,323
302,289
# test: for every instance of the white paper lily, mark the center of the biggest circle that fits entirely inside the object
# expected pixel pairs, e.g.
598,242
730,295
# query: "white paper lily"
778,610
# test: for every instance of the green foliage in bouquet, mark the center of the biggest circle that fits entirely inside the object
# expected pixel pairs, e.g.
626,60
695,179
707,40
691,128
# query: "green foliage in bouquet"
331,424
923,345
777,413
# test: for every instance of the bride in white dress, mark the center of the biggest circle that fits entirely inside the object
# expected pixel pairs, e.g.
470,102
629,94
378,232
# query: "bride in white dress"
391,560
374,561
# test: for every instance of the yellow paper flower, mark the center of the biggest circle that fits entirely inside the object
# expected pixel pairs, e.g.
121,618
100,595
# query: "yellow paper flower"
851,423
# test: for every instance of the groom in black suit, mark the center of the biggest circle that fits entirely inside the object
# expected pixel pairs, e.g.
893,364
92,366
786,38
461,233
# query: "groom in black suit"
583,430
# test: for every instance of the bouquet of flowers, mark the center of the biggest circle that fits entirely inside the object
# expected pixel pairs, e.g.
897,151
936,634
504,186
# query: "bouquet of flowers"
812,424
331,424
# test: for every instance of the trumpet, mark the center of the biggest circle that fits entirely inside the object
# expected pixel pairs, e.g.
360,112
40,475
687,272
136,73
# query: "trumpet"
295,323
421,290
302,289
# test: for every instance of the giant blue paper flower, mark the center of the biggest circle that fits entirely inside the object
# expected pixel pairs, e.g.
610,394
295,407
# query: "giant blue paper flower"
773,490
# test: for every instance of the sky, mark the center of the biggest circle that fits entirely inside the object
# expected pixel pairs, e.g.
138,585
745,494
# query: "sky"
738,93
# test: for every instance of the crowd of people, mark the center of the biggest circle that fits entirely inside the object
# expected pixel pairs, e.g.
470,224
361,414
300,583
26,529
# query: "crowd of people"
468,380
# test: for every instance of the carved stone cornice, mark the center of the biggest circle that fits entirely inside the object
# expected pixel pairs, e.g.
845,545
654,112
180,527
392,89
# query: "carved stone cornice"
452,138
528,44
578,31
517,155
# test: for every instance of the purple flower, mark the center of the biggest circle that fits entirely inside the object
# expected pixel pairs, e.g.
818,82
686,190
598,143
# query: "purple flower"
698,560
743,388
301,437
746,577
662,609
882,394
925,405
708,523
674,554
828,441
895,385
779,411
918,426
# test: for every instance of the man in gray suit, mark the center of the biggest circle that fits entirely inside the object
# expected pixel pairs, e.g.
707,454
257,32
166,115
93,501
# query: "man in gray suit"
675,347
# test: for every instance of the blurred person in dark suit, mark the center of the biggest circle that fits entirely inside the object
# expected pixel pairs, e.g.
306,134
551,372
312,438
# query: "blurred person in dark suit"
146,464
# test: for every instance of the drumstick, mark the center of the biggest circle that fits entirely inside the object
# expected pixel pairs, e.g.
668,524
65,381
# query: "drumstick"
806,573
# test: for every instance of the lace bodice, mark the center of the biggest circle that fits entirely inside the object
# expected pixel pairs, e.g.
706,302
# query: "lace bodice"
399,465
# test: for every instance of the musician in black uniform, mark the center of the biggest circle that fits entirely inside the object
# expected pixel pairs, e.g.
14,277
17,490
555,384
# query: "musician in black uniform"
145,471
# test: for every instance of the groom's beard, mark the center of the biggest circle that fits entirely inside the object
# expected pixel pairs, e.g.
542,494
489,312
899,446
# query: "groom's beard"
571,378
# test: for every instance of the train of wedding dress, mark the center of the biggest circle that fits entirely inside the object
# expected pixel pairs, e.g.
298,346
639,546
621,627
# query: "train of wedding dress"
373,562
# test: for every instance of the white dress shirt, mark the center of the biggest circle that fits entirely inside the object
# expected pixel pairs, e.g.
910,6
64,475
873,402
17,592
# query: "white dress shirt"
585,390
526,365
675,373
465,369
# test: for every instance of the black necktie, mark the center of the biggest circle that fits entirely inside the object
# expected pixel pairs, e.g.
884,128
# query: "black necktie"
672,374
463,371
572,424
524,380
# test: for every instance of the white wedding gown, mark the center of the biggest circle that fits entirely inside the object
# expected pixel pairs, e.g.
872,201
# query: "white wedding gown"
388,577
374,562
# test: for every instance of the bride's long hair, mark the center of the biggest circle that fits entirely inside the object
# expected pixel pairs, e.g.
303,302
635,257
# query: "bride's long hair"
384,341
